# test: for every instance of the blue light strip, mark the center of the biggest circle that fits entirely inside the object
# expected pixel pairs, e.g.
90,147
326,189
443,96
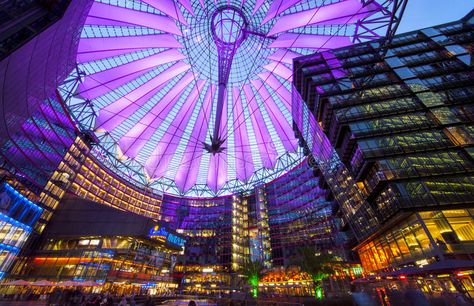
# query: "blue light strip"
9,248
21,207
14,222
22,197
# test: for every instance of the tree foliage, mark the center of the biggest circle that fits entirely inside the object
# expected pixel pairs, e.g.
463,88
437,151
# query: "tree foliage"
318,266
252,271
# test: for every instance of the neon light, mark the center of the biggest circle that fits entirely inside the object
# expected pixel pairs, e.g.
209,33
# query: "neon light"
319,293
160,233
22,197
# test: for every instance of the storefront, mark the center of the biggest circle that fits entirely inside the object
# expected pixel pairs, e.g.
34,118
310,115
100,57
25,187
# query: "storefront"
292,281
420,239
212,280
123,252
437,287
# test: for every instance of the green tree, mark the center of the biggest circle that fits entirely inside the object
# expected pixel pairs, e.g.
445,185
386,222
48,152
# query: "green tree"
318,266
253,272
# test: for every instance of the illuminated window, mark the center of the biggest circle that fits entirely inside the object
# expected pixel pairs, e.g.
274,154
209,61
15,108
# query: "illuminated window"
84,242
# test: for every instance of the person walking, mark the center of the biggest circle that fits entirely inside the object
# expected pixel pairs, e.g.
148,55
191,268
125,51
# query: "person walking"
123,301
132,300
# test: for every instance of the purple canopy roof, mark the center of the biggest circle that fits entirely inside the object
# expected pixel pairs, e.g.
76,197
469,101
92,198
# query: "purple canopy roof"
150,69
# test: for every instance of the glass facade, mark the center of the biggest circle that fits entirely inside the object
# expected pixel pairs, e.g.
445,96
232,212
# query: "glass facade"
87,241
18,215
37,148
300,214
54,116
215,231
102,259
397,118
268,225
259,233
422,236
241,234
91,181
358,214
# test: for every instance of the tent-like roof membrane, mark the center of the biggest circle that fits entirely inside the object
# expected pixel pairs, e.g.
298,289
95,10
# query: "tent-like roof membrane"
149,71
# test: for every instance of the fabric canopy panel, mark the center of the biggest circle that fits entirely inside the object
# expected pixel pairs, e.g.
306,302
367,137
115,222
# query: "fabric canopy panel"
151,70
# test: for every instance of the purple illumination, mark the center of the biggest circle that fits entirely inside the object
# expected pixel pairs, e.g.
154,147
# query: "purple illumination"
97,85
97,46
320,42
336,67
284,56
228,28
353,10
115,113
160,158
280,69
258,4
277,87
101,79
243,154
98,21
97,55
277,7
217,173
187,173
119,16
282,127
169,7
267,149
187,5
197,92
136,138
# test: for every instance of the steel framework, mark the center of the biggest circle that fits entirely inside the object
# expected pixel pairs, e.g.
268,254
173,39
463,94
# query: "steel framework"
149,94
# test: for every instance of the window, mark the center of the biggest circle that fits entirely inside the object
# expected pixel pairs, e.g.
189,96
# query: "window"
463,227
83,242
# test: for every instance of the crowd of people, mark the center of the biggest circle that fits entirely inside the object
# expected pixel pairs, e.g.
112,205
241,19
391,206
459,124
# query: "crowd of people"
409,295
78,297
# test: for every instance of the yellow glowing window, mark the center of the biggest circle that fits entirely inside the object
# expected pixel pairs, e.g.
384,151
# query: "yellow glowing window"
84,242
455,213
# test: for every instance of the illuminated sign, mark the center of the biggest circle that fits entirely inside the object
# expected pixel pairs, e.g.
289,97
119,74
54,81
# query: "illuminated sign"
160,233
